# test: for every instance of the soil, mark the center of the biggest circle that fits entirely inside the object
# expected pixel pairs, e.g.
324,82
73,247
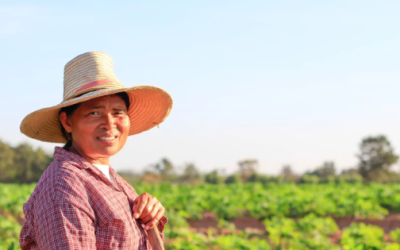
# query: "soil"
209,220
391,222
20,219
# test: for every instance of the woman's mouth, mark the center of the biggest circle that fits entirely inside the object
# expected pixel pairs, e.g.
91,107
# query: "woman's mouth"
107,138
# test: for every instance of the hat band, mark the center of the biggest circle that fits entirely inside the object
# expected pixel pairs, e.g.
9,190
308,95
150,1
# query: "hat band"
92,84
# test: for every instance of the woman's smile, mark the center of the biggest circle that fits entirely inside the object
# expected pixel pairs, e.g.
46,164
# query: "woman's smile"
107,140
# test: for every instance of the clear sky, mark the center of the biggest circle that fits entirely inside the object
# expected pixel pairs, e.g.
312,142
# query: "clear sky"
284,82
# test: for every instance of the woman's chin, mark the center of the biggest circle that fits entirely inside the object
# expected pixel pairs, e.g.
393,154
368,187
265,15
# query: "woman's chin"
105,152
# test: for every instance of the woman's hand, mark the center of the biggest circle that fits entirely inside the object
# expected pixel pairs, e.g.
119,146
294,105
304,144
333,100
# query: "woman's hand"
148,209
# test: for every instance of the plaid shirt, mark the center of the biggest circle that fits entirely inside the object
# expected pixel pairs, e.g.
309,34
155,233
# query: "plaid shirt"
74,206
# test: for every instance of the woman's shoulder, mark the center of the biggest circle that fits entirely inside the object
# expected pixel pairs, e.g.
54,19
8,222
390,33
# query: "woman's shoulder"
62,181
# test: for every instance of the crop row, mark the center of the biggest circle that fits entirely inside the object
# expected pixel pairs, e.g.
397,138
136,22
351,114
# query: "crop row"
255,200
288,200
308,233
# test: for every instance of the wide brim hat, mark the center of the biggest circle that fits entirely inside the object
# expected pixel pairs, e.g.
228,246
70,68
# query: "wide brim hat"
89,76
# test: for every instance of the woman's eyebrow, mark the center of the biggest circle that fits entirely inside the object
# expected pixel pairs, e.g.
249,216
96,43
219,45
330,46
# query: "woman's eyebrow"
97,107
119,109
103,107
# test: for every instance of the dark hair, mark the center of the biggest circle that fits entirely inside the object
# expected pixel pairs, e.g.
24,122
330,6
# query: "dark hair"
69,111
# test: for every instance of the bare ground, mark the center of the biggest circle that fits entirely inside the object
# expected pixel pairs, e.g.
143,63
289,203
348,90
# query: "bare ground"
209,220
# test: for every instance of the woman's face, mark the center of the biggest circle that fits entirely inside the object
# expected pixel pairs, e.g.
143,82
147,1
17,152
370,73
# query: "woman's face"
99,128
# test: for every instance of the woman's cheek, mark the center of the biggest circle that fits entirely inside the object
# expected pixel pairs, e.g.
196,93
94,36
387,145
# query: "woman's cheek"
127,124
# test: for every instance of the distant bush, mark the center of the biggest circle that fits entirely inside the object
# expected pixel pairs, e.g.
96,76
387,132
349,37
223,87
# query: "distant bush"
349,178
213,178
264,179
309,179
235,178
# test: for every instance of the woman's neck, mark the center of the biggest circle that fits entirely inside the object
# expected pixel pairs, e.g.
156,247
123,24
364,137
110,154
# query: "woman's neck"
100,161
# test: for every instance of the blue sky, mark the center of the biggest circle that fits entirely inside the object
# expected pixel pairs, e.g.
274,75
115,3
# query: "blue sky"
284,82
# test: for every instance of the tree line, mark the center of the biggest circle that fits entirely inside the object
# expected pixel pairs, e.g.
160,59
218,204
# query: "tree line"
23,163
376,158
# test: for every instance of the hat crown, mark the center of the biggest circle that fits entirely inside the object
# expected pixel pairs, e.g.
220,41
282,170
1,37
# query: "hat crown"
87,72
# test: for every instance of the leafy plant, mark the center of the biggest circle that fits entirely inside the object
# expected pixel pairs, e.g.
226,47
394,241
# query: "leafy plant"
361,236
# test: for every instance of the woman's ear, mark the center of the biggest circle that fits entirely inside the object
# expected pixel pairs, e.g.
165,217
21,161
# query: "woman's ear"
66,122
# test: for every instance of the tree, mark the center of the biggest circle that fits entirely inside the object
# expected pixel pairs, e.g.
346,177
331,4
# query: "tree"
288,175
22,164
190,173
247,168
262,178
41,161
213,177
165,169
309,179
24,157
7,170
325,172
376,158
30,163
234,178
351,175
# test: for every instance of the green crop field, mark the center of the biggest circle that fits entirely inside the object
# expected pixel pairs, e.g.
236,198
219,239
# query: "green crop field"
293,216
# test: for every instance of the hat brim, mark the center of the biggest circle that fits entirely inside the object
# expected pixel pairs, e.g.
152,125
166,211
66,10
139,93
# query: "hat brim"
149,106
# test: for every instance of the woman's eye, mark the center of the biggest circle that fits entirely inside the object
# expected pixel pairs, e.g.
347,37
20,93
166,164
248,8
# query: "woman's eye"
94,113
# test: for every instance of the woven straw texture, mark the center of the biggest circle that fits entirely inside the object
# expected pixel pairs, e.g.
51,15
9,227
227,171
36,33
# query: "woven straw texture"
89,76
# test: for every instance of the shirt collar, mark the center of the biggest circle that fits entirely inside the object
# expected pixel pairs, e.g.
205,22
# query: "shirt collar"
80,162
71,158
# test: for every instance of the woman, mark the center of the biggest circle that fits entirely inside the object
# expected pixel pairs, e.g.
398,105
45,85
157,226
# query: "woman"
79,201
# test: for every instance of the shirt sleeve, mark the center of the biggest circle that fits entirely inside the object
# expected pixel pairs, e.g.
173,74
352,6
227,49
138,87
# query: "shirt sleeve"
64,226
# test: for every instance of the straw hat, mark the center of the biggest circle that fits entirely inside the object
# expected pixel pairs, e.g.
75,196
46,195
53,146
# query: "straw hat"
89,76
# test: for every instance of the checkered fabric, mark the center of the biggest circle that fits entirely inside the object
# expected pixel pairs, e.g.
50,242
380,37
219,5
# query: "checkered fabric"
75,206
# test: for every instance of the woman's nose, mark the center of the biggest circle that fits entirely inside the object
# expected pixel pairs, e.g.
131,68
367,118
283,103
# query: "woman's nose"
109,122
